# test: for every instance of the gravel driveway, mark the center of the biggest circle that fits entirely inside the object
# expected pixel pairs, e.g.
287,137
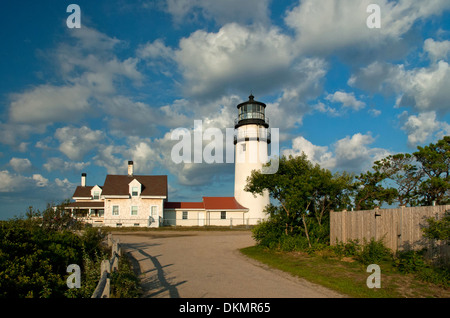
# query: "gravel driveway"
197,264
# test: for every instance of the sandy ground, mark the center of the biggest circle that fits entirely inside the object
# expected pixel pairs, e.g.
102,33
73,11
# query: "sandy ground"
208,264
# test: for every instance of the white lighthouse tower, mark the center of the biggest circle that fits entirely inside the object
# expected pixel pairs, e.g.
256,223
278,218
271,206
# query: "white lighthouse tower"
251,140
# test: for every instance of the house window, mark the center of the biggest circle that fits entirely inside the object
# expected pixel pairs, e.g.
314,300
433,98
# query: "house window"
154,211
223,215
134,210
96,195
115,210
185,215
134,191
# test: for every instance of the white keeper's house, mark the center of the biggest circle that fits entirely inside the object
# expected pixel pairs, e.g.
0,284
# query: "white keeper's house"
142,200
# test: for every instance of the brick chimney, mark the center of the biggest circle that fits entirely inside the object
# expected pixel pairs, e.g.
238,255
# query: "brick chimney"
83,179
130,168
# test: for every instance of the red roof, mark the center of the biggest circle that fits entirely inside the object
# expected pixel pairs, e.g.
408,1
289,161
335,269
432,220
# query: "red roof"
184,205
209,203
222,203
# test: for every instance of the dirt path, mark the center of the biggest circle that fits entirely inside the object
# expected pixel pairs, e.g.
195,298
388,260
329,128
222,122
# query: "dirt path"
208,264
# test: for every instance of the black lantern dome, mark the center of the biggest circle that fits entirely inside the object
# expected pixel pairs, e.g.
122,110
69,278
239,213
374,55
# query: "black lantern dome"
251,112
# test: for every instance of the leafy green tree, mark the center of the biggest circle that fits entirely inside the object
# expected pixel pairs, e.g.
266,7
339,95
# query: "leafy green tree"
402,169
306,194
370,192
435,164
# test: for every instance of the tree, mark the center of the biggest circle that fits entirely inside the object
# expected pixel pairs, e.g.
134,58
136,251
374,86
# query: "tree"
370,193
403,170
435,164
305,192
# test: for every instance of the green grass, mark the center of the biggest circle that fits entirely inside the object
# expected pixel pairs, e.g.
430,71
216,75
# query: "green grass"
345,276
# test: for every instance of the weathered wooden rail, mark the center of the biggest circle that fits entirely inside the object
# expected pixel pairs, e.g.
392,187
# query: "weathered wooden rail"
103,288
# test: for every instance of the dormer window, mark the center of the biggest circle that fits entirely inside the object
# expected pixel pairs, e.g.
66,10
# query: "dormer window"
96,192
135,188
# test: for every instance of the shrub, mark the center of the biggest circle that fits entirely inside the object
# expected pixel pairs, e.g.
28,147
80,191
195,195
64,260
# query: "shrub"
351,248
373,252
410,261
124,283
267,233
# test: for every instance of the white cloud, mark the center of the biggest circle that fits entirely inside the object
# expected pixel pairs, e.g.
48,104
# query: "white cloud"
423,127
234,57
422,88
8,182
48,103
88,71
346,99
40,180
58,164
324,26
20,164
21,184
350,154
76,142
437,50
154,50
316,154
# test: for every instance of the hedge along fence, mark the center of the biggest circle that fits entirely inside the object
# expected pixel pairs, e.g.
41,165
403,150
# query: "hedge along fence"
103,288
400,229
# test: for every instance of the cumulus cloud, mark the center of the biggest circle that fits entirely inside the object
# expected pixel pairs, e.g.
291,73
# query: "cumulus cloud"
58,164
423,128
347,100
351,153
423,88
236,56
10,182
324,26
76,142
88,70
20,164
437,50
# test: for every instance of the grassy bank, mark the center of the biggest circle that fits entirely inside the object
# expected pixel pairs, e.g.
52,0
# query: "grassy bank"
345,275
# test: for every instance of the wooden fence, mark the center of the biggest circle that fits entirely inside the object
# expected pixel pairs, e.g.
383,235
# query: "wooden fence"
103,288
400,229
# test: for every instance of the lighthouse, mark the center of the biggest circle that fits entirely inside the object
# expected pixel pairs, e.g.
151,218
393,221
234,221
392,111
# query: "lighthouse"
251,152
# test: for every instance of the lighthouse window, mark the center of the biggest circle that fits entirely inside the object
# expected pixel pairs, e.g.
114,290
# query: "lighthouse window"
243,147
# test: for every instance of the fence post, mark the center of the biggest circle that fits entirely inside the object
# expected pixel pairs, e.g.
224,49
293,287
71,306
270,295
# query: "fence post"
103,289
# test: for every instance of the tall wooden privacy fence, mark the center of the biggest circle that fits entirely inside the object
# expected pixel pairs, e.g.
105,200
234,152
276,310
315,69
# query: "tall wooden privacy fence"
103,288
400,229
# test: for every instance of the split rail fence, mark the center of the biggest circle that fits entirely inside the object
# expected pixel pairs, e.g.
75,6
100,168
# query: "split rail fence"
400,229
103,288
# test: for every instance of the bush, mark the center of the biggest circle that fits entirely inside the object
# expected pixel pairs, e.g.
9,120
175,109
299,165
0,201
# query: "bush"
267,233
124,283
349,249
373,252
34,256
410,261
415,262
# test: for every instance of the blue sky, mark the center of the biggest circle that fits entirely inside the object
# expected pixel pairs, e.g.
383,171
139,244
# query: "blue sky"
90,99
